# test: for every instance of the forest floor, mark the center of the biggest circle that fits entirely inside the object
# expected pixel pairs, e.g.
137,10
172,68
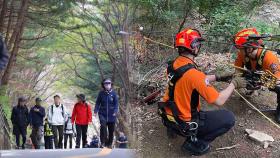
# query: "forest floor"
155,144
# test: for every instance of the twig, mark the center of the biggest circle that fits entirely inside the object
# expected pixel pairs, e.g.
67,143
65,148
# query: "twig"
228,147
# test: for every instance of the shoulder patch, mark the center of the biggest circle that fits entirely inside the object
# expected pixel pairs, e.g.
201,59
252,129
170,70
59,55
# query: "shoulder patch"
207,82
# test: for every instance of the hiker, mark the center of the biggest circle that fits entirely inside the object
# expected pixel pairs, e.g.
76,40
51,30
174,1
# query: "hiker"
20,121
94,142
56,118
37,114
253,55
107,108
69,132
81,116
122,141
181,111
48,135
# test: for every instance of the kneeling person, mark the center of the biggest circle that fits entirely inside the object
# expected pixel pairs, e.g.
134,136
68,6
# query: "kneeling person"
186,84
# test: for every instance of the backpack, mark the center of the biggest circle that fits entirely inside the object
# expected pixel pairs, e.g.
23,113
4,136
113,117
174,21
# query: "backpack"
62,108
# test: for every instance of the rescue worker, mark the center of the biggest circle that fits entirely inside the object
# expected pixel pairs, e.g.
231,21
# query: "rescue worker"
48,135
183,95
253,56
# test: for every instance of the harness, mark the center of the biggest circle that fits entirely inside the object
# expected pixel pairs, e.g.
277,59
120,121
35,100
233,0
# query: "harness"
259,62
173,121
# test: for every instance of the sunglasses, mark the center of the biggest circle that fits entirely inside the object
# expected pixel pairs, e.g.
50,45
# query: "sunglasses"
107,82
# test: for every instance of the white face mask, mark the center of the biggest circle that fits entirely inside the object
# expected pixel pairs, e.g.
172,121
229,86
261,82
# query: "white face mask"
108,87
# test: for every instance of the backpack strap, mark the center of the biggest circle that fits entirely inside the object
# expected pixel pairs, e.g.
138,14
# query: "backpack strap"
174,76
261,58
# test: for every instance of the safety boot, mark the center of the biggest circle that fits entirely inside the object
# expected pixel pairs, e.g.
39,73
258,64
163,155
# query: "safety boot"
195,147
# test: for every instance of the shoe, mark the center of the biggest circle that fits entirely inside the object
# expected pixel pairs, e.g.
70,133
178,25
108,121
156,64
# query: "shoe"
277,115
17,147
23,147
77,146
197,147
171,134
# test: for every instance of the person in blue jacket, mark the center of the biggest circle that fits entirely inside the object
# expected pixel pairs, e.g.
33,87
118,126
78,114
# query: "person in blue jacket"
107,108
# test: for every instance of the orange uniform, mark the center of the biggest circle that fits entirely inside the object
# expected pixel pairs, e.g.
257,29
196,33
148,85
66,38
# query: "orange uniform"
270,62
192,80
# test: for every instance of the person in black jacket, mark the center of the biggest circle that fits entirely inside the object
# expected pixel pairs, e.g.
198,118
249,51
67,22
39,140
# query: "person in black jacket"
20,121
37,114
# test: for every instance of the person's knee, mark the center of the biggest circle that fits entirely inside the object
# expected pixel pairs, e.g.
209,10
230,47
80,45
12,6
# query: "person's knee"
229,119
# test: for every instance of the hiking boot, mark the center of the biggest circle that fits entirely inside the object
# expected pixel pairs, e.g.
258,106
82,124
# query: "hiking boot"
171,134
77,146
277,115
197,147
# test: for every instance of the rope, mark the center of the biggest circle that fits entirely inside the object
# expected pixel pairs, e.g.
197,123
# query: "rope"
249,103
253,107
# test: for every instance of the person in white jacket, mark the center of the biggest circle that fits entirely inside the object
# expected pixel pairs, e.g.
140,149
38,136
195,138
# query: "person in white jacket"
57,115
69,132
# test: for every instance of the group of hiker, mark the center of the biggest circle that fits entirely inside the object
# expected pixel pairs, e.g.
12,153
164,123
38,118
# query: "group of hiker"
57,124
180,107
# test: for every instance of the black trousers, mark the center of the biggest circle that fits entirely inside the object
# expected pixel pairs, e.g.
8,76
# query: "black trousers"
104,128
20,131
58,135
66,136
81,132
215,123
48,142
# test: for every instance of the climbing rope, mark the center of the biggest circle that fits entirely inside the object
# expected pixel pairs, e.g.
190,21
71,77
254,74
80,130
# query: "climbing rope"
248,102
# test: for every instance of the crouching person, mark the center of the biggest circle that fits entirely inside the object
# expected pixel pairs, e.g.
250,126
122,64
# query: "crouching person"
180,109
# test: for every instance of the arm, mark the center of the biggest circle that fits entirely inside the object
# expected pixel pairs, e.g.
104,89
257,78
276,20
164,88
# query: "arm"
27,116
49,114
42,112
89,113
211,78
73,118
13,116
30,116
97,103
116,104
224,95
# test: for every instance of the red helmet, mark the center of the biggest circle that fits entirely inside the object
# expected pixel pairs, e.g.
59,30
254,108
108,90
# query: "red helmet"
242,40
188,38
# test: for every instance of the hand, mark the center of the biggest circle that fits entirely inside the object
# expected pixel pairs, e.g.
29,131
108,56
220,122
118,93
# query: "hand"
114,114
223,76
239,82
95,114
36,110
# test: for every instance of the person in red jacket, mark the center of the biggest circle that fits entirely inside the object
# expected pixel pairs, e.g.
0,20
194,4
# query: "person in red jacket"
81,116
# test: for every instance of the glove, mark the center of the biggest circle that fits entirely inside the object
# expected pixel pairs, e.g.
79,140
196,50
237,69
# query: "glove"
224,76
239,82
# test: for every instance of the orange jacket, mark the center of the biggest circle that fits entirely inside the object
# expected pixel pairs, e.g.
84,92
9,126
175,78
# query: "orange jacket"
270,62
192,80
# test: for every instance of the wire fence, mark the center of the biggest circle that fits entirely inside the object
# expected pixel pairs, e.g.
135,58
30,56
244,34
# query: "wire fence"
5,141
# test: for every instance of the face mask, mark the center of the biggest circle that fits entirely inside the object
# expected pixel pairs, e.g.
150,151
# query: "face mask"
108,87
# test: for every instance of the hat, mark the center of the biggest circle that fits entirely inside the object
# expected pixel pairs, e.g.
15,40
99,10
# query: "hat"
81,96
38,99
107,81
21,99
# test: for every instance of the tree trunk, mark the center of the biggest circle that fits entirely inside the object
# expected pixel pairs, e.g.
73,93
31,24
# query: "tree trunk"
15,41
2,15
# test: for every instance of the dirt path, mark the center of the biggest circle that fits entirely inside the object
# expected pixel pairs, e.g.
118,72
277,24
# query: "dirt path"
155,144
